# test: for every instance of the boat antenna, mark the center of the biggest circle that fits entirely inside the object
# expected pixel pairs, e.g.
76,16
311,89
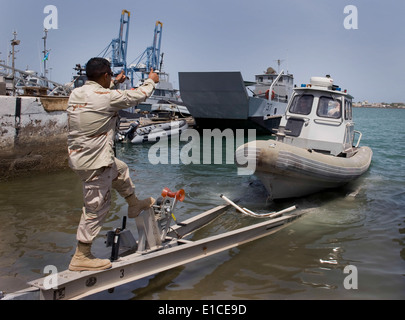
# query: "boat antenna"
278,64
45,52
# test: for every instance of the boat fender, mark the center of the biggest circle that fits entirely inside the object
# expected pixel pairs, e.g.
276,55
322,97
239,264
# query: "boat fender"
273,94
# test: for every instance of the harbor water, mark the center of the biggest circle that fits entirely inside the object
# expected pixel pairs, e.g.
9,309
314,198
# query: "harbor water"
350,244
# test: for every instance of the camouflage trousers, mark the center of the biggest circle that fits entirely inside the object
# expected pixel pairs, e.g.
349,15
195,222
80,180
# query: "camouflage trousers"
97,185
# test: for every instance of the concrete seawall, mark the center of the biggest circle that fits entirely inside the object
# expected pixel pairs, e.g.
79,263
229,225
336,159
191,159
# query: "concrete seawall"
33,135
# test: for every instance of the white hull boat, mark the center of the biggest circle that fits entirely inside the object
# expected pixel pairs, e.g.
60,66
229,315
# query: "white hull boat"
313,149
288,172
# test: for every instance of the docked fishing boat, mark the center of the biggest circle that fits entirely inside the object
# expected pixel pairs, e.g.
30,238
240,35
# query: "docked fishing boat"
140,132
315,147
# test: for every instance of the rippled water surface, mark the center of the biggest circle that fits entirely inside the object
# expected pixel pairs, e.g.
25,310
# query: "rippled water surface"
361,225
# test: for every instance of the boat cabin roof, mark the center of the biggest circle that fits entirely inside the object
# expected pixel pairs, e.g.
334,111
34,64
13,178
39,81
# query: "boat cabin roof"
324,84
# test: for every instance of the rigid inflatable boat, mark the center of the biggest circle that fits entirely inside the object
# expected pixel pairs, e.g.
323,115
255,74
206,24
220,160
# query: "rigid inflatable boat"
138,134
314,147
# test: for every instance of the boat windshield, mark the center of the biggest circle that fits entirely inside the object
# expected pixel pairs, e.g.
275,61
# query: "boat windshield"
348,109
302,104
329,108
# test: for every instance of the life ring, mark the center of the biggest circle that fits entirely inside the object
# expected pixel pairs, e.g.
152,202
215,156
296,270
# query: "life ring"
273,94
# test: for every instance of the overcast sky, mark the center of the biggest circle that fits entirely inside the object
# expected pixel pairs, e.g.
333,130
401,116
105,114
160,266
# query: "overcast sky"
309,36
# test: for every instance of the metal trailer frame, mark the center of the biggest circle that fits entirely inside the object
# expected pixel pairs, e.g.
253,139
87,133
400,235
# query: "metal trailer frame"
151,256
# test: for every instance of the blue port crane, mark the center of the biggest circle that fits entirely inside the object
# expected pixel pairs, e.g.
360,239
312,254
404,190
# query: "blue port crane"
119,45
151,57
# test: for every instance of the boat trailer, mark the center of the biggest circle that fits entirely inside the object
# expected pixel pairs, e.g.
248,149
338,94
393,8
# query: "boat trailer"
161,246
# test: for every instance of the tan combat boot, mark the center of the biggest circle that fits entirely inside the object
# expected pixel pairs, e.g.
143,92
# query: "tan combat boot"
135,206
84,260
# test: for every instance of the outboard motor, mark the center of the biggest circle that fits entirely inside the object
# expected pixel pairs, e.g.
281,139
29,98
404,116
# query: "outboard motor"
130,133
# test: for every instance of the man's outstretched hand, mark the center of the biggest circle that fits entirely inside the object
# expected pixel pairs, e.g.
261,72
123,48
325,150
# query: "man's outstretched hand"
154,76
121,77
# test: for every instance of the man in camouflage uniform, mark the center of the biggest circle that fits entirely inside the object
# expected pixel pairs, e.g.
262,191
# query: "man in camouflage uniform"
92,119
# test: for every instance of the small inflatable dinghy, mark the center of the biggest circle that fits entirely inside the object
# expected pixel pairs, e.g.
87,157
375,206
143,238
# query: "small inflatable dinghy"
154,132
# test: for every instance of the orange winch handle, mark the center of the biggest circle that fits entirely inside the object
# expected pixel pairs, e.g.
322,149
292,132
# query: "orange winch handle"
179,195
